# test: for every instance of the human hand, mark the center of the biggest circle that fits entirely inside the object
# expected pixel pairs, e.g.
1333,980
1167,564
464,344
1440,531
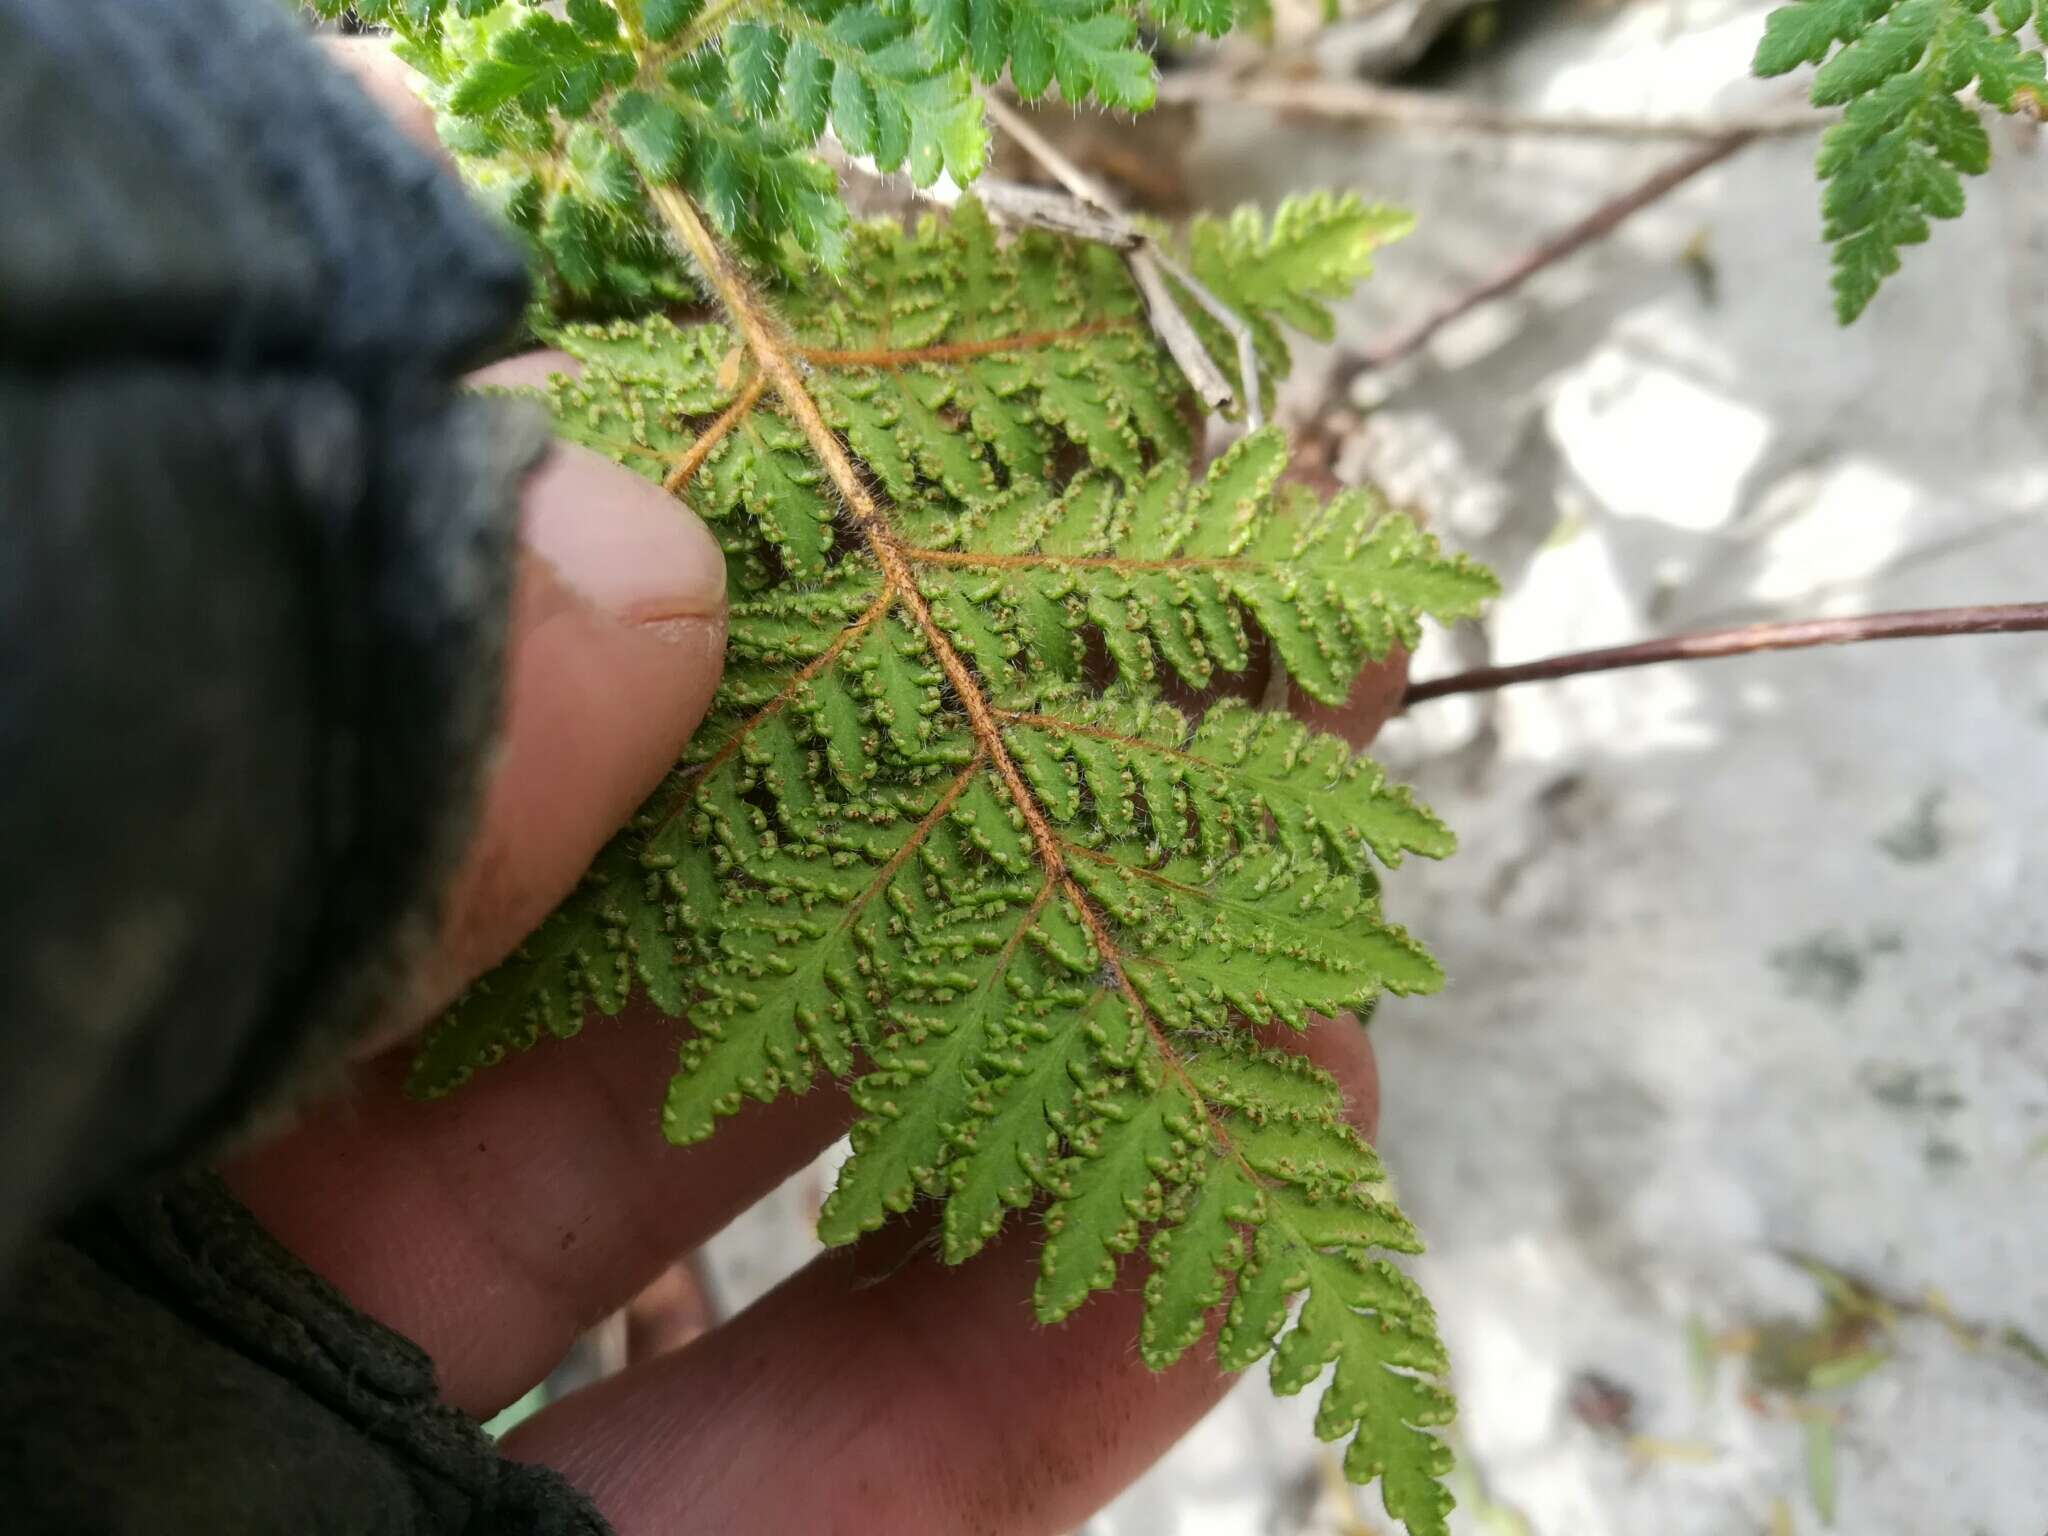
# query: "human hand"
875,1390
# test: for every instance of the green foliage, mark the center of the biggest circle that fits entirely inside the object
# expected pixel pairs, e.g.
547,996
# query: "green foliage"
1907,138
946,837
1317,248
726,99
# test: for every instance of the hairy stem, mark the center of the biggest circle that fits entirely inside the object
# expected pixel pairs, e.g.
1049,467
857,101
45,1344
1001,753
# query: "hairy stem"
1707,645
773,354
687,466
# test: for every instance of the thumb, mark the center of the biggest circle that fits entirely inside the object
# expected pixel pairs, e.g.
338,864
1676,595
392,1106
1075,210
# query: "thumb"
617,637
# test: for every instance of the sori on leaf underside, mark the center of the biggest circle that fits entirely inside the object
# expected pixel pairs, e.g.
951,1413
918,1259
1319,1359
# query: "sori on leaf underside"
978,823
1900,70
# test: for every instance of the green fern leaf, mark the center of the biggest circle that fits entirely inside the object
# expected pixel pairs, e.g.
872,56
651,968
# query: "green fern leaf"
945,838
1906,139
1288,1204
542,64
1211,18
727,100
1317,248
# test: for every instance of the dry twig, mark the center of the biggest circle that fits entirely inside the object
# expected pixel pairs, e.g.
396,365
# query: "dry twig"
1706,645
1089,212
1600,222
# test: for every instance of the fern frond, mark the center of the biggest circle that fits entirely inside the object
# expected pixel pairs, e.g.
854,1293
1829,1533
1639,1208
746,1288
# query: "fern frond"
944,836
1907,138
725,99
1317,248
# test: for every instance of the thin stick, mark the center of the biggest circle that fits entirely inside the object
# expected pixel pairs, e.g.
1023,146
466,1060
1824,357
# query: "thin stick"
1601,221
1172,328
1706,645
1050,155
1149,264
1233,326
1356,101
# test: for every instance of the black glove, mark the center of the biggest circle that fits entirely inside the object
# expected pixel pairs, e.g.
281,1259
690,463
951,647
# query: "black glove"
254,566
167,1369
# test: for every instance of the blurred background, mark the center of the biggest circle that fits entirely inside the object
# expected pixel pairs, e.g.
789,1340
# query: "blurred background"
1730,1134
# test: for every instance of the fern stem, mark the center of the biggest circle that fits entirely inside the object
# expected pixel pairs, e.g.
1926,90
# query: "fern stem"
1710,644
774,356
703,29
692,461
629,18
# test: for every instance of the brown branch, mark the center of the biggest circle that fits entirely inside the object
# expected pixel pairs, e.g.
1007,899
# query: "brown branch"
951,351
1356,101
692,461
1709,644
1149,265
1600,222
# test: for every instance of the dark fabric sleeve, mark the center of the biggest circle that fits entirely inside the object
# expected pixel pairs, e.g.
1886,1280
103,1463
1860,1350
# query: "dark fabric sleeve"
255,556
169,1369
254,565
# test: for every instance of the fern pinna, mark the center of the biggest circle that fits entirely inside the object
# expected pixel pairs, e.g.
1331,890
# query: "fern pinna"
1907,137
954,832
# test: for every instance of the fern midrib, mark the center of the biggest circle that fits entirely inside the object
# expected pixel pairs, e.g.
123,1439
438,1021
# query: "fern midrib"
820,37
925,826
977,560
954,351
760,333
716,18
1939,45
1929,71
898,585
847,637
693,460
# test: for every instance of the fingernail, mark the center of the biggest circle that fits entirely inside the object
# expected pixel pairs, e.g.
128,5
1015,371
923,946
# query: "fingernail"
624,545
